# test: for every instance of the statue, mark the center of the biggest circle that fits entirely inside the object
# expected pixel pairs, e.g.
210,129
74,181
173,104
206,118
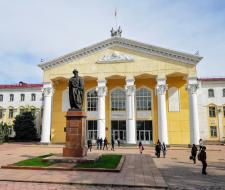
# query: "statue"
76,91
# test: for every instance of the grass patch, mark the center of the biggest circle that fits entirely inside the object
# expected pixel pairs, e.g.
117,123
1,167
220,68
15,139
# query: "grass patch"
108,161
36,161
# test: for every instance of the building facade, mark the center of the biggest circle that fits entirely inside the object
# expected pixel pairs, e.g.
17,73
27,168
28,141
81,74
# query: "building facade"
211,108
15,98
133,91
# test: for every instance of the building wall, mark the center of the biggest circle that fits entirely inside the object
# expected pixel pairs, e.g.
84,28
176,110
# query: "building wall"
203,107
17,104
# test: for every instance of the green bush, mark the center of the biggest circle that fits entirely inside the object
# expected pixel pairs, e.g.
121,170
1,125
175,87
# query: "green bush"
24,127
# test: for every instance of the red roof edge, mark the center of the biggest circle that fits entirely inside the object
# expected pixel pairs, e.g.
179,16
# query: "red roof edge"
21,85
212,79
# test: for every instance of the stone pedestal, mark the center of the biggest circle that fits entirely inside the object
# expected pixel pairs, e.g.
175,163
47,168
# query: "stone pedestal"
75,134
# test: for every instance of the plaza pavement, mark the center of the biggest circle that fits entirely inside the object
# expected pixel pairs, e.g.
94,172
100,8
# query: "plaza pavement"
177,170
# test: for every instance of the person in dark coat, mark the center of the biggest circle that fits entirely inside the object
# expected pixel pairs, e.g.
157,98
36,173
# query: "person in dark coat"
118,142
100,143
112,144
158,149
105,144
194,151
89,143
203,160
141,147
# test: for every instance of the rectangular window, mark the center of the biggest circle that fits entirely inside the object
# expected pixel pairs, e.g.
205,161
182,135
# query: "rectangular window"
11,97
224,92
33,97
10,113
33,111
92,129
1,114
22,97
212,111
213,131
210,93
223,111
1,98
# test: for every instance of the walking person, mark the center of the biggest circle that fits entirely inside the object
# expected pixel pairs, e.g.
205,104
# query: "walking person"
203,160
141,147
105,144
194,151
100,143
164,149
118,142
158,149
89,143
201,144
112,144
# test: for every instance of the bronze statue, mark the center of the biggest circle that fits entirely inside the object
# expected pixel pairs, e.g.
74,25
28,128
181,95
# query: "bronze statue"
76,91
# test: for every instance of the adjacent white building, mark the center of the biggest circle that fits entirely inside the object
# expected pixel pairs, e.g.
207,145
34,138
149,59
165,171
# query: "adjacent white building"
15,98
211,108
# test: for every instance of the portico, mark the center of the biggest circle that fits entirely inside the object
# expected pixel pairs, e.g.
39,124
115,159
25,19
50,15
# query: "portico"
133,91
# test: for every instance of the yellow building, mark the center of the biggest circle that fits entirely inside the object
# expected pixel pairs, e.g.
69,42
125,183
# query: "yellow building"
133,91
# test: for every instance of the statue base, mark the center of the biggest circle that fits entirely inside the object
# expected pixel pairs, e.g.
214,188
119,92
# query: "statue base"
75,134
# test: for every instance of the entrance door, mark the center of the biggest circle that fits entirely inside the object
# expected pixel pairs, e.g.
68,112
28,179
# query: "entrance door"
144,131
118,130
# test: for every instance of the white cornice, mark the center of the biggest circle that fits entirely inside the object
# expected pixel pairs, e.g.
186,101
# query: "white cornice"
124,43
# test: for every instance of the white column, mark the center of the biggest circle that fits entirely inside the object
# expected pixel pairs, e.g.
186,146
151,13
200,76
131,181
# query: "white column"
162,118
130,104
47,112
193,111
101,89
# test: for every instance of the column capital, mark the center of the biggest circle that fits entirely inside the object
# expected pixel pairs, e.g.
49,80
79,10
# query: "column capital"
48,89
192,88
130,87
101,88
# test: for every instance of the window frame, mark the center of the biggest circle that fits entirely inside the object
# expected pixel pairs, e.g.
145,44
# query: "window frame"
11,97
33,97
223,92
11,113
212,113
1,98
143,98
117,103
22,97
92,101
93,131
211,93
213,132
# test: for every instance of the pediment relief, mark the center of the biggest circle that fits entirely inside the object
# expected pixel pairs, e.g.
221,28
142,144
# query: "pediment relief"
115,57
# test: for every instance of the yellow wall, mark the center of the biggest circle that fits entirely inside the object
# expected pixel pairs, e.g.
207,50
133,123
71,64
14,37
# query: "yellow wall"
87,66
142,66
178,122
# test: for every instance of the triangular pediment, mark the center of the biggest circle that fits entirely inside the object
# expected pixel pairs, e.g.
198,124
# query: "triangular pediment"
118,42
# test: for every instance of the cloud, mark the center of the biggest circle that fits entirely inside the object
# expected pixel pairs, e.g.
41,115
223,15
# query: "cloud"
31,30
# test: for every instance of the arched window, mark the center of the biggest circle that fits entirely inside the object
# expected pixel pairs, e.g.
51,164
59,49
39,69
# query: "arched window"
118,100
92,100
210,93
224,92
143,99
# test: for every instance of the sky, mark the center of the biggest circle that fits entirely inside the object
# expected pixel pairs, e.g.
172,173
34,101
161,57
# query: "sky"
32,30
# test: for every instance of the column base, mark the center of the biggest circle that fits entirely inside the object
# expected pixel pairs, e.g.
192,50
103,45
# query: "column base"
131,143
